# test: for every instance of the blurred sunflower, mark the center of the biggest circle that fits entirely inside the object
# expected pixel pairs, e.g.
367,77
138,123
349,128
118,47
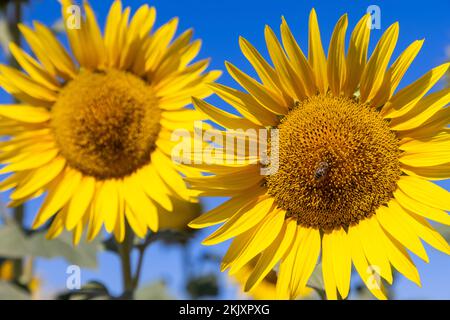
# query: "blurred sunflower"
354,155
185,213
266,289
94,131
7,275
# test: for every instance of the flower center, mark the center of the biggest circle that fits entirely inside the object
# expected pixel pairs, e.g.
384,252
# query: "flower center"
338,162
106,123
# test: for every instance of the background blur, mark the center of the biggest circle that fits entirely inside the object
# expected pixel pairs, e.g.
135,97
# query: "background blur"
184,270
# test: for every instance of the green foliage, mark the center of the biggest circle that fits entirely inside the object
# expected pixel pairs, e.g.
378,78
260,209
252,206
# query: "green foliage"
92,290
11,291
316,281
203,286
16,244
153,291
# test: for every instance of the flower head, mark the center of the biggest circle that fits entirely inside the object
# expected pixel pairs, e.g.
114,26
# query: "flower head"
355,156
93,131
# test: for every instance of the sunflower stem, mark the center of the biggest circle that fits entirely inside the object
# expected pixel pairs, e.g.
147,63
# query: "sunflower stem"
125,249
137,275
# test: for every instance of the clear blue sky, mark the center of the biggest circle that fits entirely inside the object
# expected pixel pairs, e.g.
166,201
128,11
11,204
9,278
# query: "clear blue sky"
219,24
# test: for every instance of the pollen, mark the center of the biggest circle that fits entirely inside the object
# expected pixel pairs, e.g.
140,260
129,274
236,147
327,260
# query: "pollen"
106,123
338,162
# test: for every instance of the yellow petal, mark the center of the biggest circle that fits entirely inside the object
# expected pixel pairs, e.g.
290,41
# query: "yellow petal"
80,202
404,100
393,221
369,233
396,72
306,256
224,119
422,111
265,72
433,126
169,175
283,286
400,259
425,231
246,105
57,225
243,220
38,178
154,187
112,28
58,195
31,161
27,85
426,192
437,172
107,204
95,35
141,206
139,227
357,55
23,113
74,35
368,274
425,154
289,79
59,57
298,60
36,72
316,55
77,233
336,64
266,232
327,267
119,229
421,209
38,48
374,72
222,212
272,254
342,264
262,94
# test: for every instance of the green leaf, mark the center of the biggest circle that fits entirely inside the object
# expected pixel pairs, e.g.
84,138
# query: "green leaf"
154,291
5,36
316,281
203,286
93,290
10,291
443,230
83,255
15,244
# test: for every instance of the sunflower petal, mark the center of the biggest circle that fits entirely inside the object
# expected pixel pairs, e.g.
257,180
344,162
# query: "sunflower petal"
316,55
336,64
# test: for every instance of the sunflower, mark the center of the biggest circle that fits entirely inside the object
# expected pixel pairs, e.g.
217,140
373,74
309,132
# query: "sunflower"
355,157
266,289
93,131
186,212
7,275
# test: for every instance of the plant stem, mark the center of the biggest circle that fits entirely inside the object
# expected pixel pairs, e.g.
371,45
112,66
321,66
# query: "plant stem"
125,249
137,275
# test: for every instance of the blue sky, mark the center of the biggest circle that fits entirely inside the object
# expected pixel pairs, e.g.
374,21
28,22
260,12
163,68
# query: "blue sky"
219,24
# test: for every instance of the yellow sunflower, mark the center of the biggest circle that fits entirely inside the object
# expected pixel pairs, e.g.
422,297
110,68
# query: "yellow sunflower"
7,274
93,131
355,156
185,213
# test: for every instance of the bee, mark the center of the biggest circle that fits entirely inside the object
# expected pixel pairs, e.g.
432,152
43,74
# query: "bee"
322,171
